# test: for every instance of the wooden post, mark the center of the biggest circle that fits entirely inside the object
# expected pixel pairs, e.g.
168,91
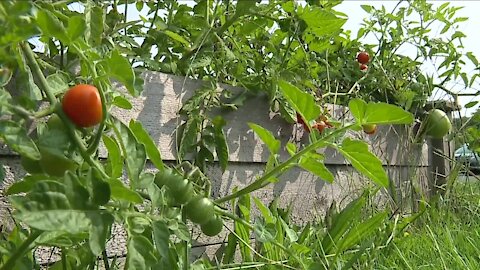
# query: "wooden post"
440,151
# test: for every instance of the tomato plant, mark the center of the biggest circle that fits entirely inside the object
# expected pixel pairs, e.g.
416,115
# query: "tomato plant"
81,180
82,104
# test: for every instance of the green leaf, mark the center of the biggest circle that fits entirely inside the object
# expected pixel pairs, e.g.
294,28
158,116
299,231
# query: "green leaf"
26,184
57,83
76,27
99,231
471,104
51,26
161,236
140,253
122,102
313,162
94,23
119,68
135,155
144,138
48,208
291,148
221,146
121,192
378,113
100,189
267,138
177,37
302,102
15,136
189,135
115,162
472,58
357,153
266,214
320,22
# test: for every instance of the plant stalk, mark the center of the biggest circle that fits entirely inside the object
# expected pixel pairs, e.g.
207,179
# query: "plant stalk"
20,251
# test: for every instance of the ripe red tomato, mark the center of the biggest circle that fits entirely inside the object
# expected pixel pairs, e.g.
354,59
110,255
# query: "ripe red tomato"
363,67
301,121
369,129
363,57
82,104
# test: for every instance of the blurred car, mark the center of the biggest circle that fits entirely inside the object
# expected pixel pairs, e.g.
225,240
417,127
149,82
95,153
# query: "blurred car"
468,157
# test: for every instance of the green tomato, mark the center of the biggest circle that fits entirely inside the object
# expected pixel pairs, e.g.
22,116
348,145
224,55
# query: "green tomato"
54,122
163,178
54,163
213,227
199,210
437,124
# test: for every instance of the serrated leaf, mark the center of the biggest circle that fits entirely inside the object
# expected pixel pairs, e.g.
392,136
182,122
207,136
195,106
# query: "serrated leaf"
302,102
119,68
57,83
121,192
76,27
321,22
357,153
161,236
135,155
313,162
140,253
189,135
94,24
101,224
115,162
51,26
221,146
122,102
15,136
177,37
151,148
378,113
267,138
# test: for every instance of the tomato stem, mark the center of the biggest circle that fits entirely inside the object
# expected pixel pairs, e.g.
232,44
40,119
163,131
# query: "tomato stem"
263,181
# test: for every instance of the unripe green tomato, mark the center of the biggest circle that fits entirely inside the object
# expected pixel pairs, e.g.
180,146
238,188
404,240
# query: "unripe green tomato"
163,178
369,128
437,124
54,163
199,210
182,190
213,227
54,122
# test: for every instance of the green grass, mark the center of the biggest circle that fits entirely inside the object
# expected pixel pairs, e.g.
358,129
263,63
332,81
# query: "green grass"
445,237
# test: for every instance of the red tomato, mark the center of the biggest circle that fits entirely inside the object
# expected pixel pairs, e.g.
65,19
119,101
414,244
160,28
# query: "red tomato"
82,104
363,67
301,121
363,57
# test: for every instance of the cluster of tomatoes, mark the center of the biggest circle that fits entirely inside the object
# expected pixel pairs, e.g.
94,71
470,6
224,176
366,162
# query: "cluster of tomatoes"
199,209
322,122
363,58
